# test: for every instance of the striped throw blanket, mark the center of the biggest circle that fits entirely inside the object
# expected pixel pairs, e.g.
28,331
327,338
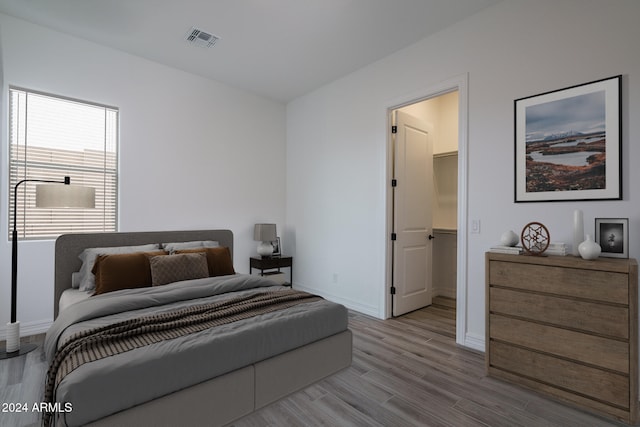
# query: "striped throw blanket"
95,344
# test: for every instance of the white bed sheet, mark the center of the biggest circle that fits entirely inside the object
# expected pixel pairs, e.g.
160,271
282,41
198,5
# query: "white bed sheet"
72,296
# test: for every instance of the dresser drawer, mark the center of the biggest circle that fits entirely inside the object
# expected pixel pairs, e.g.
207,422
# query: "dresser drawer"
602,319
587,284
582,347
588,381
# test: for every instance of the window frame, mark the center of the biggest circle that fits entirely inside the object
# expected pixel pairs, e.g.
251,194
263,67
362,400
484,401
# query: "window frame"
66,169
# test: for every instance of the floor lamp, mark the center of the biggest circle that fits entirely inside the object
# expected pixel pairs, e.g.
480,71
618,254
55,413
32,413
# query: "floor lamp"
47,196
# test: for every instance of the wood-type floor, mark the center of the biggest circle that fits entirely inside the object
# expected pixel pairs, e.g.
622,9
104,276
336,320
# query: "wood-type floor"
406,371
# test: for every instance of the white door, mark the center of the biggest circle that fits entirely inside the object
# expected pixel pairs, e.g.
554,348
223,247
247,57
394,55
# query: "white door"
413,172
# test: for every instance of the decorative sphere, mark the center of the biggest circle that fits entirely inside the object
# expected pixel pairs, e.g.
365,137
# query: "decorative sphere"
509,238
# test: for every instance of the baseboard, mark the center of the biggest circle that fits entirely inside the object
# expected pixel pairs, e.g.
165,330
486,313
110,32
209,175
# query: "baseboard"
444,292
351,305
28,328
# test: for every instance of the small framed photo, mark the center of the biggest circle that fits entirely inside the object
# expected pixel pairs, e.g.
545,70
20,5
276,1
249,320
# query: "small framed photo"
277,249
612,234
568,144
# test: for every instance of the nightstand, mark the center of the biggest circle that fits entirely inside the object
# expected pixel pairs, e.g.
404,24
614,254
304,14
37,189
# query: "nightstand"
263,264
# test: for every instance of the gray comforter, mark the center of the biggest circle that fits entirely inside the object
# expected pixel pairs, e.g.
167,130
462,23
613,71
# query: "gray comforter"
109,385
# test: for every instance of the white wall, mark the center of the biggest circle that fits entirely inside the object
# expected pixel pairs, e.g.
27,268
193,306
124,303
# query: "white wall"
441,113
193,152
449,122
336,140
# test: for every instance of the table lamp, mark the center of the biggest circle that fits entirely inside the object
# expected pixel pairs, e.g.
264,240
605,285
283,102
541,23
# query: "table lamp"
265,234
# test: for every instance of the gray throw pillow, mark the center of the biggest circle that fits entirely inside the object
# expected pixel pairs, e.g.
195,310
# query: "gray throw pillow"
175,268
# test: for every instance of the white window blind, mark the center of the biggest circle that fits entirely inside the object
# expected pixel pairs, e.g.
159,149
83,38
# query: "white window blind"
51,137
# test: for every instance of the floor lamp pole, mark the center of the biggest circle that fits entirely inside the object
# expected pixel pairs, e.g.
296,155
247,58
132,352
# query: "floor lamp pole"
14,271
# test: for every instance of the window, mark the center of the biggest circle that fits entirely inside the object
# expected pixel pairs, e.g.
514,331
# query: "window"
51,137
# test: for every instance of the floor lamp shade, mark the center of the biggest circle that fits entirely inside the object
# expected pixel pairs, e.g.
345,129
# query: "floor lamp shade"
51,195
65,196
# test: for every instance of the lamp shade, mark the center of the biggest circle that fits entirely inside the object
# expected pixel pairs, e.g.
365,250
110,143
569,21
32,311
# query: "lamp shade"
65,196
264,232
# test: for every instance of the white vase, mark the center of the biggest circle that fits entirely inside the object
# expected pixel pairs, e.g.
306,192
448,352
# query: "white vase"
578,231
589,249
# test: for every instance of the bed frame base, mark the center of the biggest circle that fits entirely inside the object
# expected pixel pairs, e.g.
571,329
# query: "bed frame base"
229,397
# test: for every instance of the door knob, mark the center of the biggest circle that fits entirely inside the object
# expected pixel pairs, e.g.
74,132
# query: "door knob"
431,237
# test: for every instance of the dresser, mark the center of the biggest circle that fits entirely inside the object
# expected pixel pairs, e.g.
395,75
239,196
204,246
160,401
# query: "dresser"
566,327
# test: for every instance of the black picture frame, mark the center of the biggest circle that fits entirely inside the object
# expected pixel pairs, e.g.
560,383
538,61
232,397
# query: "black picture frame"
568,143
277,248
612,234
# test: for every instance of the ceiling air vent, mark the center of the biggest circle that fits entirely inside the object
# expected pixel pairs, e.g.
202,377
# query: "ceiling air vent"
201,38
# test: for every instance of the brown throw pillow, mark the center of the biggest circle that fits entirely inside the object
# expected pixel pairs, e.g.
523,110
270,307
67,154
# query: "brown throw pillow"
123,271
218,259
178,267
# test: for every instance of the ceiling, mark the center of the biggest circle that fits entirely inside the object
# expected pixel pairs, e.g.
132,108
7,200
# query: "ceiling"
279,49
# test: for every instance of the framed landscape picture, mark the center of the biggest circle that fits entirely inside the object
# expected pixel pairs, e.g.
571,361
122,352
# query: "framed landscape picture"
568,144
612,234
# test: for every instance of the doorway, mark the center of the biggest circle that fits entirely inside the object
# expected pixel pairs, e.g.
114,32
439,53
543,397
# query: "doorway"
449,188
425,203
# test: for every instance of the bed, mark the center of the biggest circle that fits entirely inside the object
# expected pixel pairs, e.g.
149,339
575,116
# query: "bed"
209,377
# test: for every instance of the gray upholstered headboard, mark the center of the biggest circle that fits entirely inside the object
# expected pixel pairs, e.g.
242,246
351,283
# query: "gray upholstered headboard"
69,246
